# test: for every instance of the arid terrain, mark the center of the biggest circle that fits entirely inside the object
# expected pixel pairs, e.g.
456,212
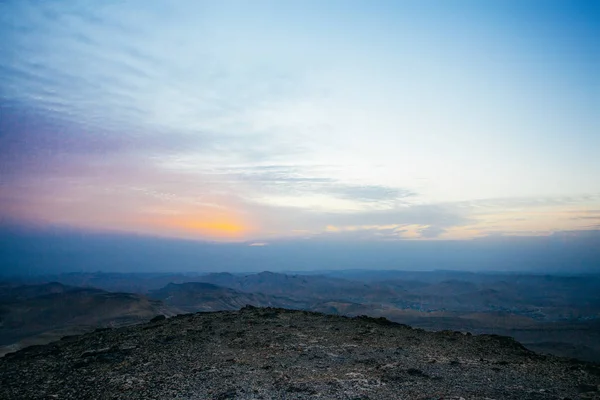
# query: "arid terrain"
268,353
38,314
559,315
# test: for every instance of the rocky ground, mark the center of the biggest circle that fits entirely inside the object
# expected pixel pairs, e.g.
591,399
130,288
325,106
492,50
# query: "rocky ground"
265,353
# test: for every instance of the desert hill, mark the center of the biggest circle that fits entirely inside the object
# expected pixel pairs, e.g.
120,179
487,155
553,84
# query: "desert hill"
35,314
314,287
550,314
267,353
201,296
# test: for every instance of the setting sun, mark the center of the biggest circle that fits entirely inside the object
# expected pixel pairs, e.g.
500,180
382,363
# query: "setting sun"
203,227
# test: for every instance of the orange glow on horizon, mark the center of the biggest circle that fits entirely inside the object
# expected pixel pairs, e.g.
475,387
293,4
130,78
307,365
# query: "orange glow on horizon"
217,227
225,227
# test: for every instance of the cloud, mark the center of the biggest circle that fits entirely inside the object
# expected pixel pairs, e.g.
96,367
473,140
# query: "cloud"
405,221
360,233
369,193
531,202
275,175
432,232
143,116
304,180
105,82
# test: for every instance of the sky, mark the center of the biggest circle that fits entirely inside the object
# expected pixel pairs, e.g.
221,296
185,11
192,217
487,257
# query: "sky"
265,121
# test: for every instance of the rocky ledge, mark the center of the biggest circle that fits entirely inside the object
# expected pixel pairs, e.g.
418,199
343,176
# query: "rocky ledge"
266,353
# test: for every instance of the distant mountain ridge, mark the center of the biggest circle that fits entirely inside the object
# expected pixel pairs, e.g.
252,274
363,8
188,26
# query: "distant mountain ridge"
202,296
41,313
538,310
10,293
302,287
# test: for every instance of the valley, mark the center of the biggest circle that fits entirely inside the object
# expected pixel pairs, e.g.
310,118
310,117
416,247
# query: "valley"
559,315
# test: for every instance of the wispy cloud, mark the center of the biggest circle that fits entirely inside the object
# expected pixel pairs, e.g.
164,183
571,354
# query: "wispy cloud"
197,119
370,193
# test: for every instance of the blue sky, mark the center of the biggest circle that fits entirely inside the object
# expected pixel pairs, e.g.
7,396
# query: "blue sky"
258,121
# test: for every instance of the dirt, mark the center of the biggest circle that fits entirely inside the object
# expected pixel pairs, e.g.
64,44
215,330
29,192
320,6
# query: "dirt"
269,353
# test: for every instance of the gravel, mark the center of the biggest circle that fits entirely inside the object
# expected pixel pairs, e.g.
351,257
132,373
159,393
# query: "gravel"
268,353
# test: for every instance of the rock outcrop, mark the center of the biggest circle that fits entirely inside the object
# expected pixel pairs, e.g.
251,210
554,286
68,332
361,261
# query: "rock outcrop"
267,353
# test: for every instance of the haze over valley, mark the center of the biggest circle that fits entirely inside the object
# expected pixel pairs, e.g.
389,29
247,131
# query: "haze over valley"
558,314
